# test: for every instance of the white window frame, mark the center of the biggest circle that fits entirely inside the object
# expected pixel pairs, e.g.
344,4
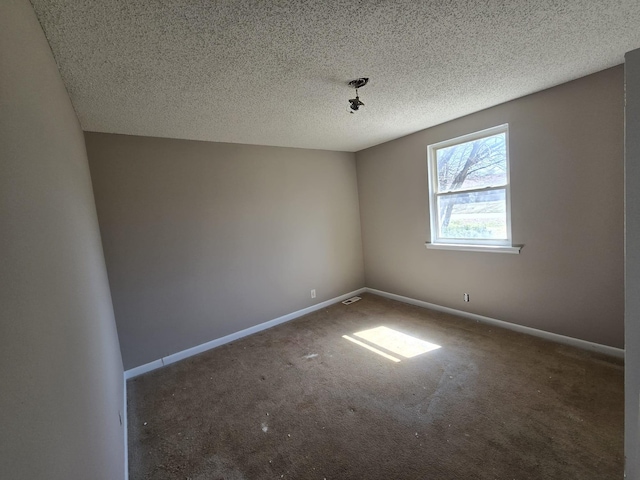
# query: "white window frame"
469,244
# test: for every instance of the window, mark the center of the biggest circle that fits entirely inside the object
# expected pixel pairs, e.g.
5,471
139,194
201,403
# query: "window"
469,192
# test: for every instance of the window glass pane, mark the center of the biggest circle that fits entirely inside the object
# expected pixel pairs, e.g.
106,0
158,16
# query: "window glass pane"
476,164
478,215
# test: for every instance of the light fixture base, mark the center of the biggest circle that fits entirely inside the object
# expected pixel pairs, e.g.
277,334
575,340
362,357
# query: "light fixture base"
359,82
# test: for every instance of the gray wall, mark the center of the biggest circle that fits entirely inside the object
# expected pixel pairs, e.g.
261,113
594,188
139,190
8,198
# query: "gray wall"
632,264
566,153
61,384
205,239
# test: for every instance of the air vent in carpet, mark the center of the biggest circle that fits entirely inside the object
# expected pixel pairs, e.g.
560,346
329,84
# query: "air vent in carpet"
351,300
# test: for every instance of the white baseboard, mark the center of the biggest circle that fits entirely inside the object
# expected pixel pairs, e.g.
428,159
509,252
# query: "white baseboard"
575,342
147,367
234,336
554,337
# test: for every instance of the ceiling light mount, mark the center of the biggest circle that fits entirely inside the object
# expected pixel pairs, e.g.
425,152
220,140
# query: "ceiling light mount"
359,82
355,103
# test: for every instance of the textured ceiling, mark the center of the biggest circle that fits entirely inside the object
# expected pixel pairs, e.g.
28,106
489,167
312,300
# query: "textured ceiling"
276,72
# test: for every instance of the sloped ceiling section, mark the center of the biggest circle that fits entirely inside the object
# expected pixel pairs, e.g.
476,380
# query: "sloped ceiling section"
276,72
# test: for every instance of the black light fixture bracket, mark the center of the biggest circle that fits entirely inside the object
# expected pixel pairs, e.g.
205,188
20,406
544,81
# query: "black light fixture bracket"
355,103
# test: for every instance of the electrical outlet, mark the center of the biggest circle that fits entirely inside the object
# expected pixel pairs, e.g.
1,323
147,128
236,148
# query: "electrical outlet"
313,293
466,297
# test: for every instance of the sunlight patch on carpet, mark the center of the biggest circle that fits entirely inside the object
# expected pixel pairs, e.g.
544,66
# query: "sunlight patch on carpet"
396,342
368,347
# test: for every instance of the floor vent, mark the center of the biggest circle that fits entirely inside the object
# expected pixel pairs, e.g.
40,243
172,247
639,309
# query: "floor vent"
351,300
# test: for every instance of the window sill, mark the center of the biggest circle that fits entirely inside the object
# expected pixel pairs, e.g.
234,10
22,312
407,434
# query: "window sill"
475,248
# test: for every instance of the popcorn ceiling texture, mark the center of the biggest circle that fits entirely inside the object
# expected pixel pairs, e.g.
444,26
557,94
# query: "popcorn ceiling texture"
276,73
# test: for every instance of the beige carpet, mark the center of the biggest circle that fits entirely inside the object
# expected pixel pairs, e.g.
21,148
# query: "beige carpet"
299,401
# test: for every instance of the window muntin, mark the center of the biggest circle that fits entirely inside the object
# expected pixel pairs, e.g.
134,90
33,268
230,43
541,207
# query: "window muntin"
469,189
